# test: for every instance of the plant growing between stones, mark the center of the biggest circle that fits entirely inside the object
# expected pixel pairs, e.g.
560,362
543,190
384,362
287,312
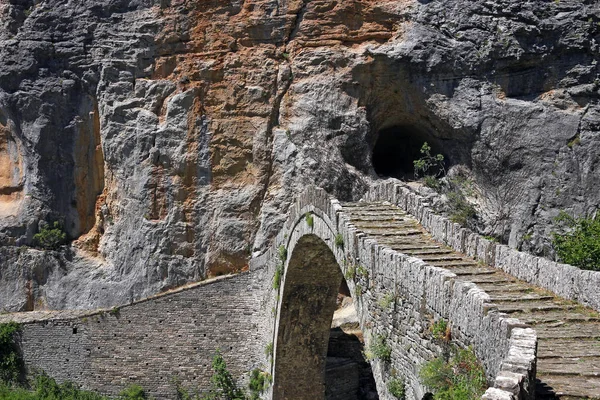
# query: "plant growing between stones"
259,382
580,244
277,276
461,211
269,351
50,237
350,272
308,217
362,272
223,384
379,349
397,388
386,300
459,377
339,240
441,330
282,253
358,290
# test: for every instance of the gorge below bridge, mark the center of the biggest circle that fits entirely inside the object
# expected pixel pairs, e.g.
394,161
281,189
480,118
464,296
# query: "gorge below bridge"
532,323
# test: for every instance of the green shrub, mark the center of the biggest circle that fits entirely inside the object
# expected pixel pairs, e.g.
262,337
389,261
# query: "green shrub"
460,378
350,272
386,300
46,388
339,240
358,291
397,388
282,253
133,392
277,276
432,182
223,384
11,364
429,163
50,238
269,350
580,246
362,271
378,348
461,211
440,329
309,220
259,382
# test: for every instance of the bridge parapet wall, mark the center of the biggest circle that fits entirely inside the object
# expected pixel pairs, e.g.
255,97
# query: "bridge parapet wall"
565,280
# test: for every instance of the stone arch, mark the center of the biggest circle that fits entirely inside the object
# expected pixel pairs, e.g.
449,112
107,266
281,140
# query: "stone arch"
312,281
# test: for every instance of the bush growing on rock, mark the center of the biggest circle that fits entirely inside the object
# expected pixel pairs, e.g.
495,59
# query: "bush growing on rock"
50,237
580,246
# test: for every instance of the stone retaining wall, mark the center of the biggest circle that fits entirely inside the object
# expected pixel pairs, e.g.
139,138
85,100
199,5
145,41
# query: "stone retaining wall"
153,341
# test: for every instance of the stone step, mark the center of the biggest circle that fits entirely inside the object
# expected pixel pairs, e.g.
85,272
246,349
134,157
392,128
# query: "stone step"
568,387
386,232
569,330
450,257
560,348
579,366
467,271
552,317
507,297
510,287
418,252
531,307
380,225
464,262
477,279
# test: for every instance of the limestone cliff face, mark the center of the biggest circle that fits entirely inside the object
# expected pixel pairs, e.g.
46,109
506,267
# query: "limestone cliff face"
169,137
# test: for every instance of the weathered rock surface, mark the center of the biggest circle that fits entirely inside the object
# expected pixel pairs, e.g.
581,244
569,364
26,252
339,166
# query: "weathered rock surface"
169,137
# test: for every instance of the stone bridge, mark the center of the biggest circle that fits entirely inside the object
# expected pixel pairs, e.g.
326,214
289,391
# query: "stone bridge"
403,266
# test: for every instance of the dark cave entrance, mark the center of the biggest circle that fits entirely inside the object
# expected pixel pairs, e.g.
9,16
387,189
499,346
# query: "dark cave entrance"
397,147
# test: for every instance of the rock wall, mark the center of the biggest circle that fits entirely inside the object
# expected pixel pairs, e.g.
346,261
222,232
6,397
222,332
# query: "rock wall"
170,137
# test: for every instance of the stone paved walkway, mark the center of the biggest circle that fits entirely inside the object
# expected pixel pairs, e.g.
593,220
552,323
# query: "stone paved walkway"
568,333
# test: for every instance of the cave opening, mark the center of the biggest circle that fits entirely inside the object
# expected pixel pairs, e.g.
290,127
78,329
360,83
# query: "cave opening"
397,147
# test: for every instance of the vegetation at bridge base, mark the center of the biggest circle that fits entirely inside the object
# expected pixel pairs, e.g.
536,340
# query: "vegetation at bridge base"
46,388
580,245
460,377
224,386
11,365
